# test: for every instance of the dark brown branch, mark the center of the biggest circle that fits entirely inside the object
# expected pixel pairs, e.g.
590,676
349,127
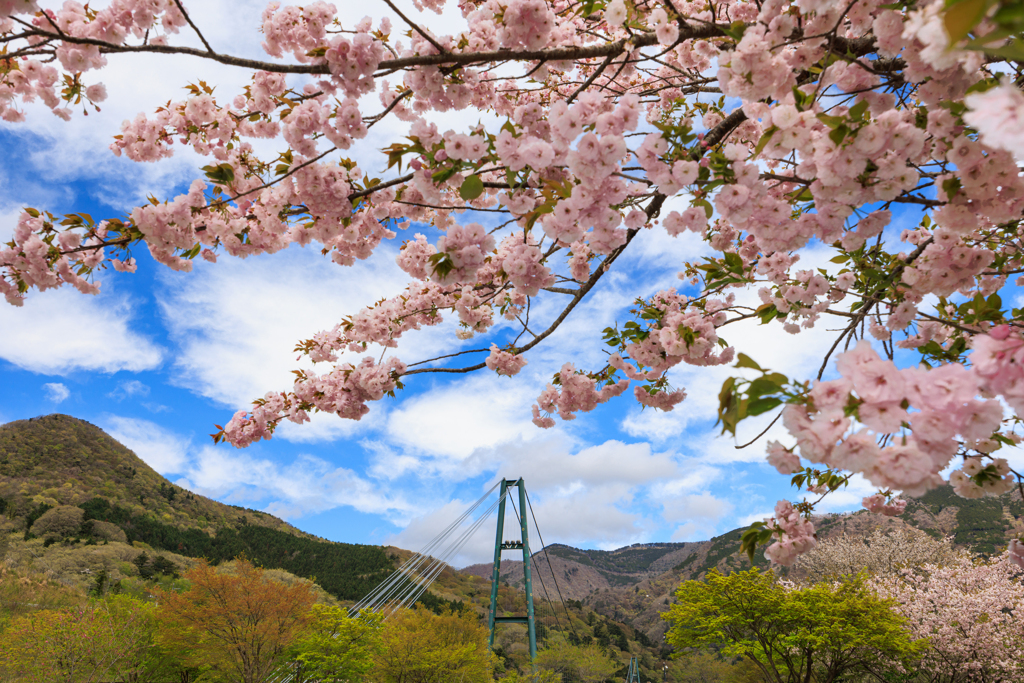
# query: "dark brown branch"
415,27
462,59
593,77
195,28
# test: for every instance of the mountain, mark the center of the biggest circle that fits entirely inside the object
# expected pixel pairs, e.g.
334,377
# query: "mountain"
69,487
634,584
62,460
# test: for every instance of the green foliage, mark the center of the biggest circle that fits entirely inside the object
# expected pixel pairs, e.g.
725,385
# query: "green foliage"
338,648
586,663
345,570
108,639
37,512
61,460
981,526
419,646
634,559
825,632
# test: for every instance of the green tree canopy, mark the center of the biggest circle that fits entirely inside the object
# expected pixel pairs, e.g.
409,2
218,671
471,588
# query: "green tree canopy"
339,648
821,633
584,663
105,640
419,646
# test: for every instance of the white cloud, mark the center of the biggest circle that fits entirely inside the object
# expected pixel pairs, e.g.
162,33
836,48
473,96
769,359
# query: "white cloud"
307,485
56,393
756,517
237,322
606,495
60,331
697,515
163,450
451,422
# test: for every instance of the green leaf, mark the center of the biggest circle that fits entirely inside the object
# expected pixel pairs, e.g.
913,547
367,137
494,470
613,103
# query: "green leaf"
709,210
472,187
444,174
763,405
761,386
221,174
839,134
763,142
983,85
1014,51
767,313
857,110
951,186
745,361
831,121
734,263
961,16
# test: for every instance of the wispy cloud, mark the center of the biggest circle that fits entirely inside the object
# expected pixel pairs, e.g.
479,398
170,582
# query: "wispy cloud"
128,389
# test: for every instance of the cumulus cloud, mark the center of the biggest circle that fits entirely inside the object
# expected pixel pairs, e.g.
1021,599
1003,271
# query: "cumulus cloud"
476,539
605,495
449,423
56,393
61,331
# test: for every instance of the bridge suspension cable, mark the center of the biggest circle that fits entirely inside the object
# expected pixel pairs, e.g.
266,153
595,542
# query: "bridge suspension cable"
408,583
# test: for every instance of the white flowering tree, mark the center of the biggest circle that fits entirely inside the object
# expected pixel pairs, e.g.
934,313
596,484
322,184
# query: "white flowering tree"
772,126
882,554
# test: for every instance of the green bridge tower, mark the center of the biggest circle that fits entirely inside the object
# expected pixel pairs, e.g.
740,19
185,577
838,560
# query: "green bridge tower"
499,545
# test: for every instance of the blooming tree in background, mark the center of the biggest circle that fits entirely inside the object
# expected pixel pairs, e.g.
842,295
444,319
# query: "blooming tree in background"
970,614
881,553
773,126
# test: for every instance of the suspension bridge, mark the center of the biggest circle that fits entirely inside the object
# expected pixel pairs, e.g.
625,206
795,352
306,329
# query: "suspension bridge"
404,587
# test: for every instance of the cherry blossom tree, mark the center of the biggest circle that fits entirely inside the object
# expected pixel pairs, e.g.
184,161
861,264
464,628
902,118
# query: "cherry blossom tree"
970,613
764,128
881,553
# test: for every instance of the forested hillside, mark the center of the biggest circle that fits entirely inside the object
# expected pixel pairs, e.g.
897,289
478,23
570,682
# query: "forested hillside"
66,484
61,460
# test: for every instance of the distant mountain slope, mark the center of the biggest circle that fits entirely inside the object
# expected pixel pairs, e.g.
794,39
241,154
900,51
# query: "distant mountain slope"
634,584
61,462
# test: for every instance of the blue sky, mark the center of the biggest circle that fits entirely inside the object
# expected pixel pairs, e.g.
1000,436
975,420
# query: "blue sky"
158,358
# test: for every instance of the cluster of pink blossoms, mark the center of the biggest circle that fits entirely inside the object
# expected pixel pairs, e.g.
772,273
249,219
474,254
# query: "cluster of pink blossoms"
576,393
503,362
1015,552
946,404
344,391
30,79
30,257
795,534
941,406
967,610
877,503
